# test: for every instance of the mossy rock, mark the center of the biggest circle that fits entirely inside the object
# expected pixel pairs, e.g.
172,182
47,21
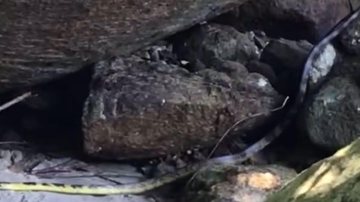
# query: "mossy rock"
334,179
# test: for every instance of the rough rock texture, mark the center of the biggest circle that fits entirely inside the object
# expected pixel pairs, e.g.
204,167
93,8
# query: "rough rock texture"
350,38
238,184
41,40
322,66
293,19
332,116
217,41
331,180
139,109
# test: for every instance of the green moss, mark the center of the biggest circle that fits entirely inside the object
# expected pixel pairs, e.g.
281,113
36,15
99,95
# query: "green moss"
335,179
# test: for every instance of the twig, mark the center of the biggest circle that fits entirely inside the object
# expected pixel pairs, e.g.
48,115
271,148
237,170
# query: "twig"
51,168
52,176
13,142
15,101
244,119
232,127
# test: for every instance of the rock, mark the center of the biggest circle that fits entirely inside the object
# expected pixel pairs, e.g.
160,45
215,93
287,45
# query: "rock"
159,51
291,19
331,117
238,184
330,180
349,67
287,58
354,4
322,65
139,109
217,41
285,54
261,39
51,118
350,38
40,41
263,69
233,69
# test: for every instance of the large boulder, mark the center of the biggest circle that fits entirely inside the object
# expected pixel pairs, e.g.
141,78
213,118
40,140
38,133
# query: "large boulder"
142,109
42,40
332,115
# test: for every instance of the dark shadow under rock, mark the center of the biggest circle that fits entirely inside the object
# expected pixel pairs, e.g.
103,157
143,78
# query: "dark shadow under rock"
51,118
139,109
287,58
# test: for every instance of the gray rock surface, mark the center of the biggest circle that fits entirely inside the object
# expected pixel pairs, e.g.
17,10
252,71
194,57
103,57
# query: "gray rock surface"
211,41
43,40
321,67
332,115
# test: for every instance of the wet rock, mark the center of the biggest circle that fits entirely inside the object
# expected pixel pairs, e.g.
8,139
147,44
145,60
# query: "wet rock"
292,19
332,115
139,109
40,41
238,184
332,179
217,41
287,58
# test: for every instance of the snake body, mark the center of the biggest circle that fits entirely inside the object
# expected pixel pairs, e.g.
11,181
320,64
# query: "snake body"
148,185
